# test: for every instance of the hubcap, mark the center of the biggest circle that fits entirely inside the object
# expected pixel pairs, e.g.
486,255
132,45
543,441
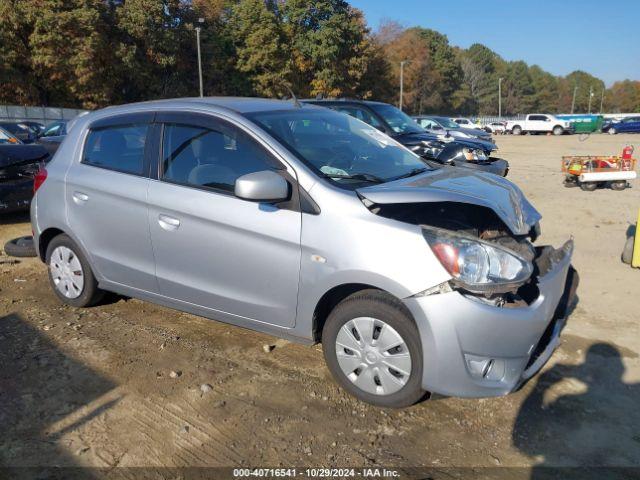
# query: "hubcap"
66,272
373,355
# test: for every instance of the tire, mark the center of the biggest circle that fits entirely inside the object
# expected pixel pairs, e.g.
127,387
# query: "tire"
619,185
612,131
558,130
363,312
20,247
516,130
588,186
627,252
64,259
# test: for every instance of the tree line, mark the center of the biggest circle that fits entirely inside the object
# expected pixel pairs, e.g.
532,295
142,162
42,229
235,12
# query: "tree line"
94,53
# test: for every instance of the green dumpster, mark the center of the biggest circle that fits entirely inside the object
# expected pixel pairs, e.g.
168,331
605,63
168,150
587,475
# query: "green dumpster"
584,123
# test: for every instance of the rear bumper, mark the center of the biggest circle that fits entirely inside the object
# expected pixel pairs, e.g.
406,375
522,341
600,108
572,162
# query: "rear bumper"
472,349
15,195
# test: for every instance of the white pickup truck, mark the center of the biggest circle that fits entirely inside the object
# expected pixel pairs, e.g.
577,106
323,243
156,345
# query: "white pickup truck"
540,123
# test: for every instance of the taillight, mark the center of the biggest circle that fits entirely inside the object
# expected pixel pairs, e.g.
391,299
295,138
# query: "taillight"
38,180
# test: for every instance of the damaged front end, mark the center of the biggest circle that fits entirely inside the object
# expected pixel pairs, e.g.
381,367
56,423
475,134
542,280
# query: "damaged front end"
18,166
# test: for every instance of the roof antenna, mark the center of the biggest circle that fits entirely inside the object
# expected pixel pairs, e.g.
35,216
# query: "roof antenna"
296,103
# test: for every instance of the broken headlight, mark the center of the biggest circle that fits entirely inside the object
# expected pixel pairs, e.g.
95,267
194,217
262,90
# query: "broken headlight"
478,266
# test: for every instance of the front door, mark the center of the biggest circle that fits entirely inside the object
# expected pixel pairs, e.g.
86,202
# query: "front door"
213,249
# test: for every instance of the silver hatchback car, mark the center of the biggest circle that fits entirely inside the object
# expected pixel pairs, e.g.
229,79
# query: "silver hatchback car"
308,224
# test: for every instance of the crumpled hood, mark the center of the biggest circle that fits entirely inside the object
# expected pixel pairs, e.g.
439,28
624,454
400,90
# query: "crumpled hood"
418,138
20,154
451,184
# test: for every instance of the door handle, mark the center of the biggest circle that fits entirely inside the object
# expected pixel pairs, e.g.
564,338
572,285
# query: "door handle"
168,223
80,197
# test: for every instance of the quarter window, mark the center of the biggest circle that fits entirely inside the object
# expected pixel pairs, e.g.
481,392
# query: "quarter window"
204,157
119,148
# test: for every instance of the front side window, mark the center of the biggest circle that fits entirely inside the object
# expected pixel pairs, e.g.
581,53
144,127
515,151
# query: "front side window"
399,121
119,148
203,157
361,114
447,123
338,146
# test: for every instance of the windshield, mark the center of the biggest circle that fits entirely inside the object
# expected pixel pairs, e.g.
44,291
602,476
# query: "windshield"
446,122
339,146
399,121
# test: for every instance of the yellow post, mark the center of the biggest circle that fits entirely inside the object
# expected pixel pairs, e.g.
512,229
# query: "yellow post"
635,260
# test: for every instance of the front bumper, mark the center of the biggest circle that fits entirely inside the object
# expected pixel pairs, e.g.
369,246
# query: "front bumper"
15,195
473,349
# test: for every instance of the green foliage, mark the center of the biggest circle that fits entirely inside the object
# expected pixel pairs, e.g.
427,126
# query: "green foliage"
93,53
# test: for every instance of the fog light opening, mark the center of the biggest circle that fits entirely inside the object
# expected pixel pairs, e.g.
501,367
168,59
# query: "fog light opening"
487,369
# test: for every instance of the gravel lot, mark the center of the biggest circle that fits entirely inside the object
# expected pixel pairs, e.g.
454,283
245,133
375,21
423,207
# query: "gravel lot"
122,384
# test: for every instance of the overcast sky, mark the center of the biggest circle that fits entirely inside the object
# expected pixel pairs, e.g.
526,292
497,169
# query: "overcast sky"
597,36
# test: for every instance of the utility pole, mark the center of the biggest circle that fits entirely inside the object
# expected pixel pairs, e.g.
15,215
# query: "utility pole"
590,97
573,102
601,100
401,81
500,97
200,20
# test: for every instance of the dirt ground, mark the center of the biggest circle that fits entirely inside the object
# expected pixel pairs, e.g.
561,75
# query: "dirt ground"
94,387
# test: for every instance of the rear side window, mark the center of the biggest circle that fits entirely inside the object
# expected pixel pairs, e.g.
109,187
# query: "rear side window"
119,148
204,157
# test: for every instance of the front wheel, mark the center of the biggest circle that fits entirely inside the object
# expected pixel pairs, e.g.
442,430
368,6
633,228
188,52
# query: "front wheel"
372,347
70,275
588,186
558,130
612,131
619,185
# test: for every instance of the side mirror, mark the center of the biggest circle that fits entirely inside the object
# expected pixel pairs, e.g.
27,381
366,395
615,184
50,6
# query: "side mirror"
264,186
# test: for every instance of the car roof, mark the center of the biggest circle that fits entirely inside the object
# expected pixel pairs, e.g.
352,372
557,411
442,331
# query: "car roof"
342,101
237,104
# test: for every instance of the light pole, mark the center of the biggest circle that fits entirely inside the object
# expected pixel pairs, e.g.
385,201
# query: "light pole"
573,102
500,97
601,100
401,82
590,97
200,20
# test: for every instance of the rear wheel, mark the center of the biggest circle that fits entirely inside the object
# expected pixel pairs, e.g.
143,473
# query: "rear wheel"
612,131
516,130
372,348
70,275
558,130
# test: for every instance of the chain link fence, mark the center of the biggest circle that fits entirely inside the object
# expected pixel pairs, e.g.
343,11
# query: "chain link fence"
44,115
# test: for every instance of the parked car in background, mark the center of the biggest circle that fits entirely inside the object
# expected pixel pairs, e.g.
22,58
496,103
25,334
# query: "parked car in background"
438,125
8,138
20,130
626,125
18,165
53,135
496,127
308,224
540,123
470,153
36,127
466,123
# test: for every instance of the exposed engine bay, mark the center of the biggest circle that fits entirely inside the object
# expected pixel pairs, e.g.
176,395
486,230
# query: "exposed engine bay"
482,223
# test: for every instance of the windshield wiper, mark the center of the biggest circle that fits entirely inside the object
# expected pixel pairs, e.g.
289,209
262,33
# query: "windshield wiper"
412,173
366,177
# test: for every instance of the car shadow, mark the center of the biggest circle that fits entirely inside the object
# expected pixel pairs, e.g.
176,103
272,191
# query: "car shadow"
45,394
581,421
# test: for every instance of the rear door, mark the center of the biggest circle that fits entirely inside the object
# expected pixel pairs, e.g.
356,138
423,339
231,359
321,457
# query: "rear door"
106,193
213,249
